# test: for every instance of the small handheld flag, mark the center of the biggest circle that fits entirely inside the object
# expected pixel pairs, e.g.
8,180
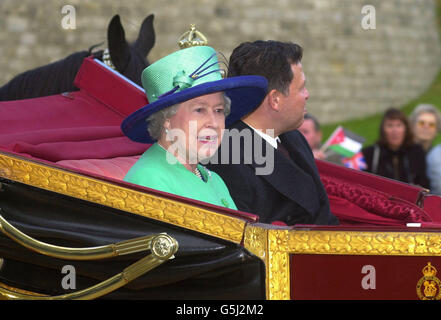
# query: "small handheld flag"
356,162
344,142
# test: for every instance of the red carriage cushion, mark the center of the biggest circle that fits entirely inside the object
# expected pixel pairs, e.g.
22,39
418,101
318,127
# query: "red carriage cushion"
115,168
352,201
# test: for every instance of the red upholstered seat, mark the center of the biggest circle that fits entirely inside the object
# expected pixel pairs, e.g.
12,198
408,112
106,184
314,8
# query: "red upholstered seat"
391,187
80,130
115,168
353,202
84,124
432,204
360,197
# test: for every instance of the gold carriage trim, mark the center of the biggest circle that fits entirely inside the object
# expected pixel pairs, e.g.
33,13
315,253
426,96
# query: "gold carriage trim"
10,293
274,247
122,198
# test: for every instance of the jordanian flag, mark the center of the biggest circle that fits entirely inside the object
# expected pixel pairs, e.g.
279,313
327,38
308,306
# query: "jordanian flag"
344,142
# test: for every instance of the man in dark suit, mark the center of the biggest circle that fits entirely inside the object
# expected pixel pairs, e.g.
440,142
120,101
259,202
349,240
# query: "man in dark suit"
285,186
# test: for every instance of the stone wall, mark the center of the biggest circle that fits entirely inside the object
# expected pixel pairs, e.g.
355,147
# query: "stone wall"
351,71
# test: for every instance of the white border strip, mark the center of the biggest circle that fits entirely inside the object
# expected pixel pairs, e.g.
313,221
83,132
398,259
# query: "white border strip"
120,75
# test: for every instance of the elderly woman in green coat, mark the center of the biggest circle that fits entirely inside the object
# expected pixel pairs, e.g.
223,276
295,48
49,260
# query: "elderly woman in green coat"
189,104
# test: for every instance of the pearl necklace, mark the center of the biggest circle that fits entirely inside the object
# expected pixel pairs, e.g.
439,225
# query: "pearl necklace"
198,173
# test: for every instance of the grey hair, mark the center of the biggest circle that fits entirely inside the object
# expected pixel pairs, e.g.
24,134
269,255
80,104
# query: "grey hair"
426,108
155,123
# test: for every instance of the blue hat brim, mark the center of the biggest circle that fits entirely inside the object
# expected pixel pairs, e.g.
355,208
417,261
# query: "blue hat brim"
246,93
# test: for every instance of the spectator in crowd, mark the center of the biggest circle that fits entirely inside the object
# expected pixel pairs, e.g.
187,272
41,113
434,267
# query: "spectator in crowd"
426,123
425,120
310,129
312,132
395,155
433,160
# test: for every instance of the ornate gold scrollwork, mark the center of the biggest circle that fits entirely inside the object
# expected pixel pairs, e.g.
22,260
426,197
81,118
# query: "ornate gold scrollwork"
122,198
162,246
275,245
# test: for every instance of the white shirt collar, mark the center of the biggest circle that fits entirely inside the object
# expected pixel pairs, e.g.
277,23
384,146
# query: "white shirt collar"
272,141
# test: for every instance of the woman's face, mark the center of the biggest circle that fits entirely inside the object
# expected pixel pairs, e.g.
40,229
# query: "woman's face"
395,131
197,127
425,127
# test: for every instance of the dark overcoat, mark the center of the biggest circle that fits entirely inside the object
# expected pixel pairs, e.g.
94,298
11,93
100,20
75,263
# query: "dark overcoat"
292,193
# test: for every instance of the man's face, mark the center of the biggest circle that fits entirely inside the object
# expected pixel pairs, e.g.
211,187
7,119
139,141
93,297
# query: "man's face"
313,137
293,104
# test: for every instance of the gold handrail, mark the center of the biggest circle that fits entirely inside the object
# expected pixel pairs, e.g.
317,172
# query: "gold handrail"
91,253
162,246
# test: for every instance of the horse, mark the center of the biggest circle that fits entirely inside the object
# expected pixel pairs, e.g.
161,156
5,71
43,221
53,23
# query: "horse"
58,77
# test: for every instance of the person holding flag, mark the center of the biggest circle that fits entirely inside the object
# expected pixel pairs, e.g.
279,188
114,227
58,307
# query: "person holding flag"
395,155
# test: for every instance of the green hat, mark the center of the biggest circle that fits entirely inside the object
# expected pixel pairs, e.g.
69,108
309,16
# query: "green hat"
187,74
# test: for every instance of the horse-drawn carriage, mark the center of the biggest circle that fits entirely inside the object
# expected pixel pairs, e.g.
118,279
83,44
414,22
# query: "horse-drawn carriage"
73,229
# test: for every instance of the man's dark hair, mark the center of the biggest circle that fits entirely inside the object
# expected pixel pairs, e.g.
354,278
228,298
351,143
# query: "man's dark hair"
270,59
